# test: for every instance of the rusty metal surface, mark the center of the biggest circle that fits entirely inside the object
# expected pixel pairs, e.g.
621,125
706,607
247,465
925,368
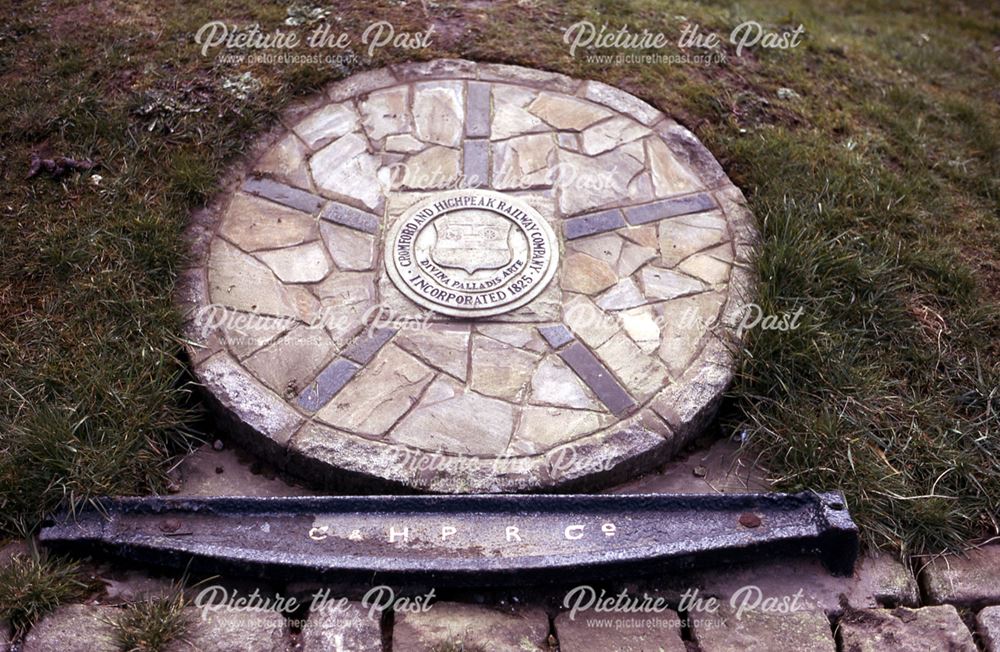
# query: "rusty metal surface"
475,540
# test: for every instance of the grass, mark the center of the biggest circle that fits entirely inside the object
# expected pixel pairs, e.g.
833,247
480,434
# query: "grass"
875,186
32,586
151,626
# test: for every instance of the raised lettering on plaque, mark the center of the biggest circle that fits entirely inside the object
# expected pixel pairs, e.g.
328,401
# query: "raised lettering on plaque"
471,253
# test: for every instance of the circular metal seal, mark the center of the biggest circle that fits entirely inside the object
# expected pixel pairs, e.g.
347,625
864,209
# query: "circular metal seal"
471,253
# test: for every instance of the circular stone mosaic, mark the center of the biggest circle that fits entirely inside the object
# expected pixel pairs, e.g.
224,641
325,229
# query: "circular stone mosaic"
462,277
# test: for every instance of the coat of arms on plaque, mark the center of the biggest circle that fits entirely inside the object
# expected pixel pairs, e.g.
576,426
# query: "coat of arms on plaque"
472,240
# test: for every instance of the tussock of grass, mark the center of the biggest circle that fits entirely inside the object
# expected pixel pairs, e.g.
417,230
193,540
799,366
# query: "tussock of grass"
32,586
151,626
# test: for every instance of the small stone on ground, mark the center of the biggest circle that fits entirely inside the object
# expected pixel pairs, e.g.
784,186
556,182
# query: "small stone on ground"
905,630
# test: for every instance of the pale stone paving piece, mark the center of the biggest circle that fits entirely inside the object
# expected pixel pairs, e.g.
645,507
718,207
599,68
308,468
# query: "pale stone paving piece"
434,167
74,628
707,267
348,628
669,176
586,631
452,420
500,370
759,631
403,143
624,295
877,580
684,236
553,383
438,113
286,161
291,363
988,628
621,102
513,334
905,630
589,322
586,275
510,118
380,393
360,83
443,346
641,325
386,112
644,236
610,134
259,630
586,183
253,224
245,334
666,284
351,250
543,428
686,322
523,162
238,281
451,625
607,247
566,112
642,375
633,257
568,141
972,580
345,168
305,263
348,300
640,189
327,124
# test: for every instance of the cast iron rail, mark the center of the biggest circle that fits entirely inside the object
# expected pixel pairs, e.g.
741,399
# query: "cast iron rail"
474,539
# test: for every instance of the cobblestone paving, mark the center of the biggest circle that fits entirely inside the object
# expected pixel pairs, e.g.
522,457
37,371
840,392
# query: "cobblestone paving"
614,366
876,609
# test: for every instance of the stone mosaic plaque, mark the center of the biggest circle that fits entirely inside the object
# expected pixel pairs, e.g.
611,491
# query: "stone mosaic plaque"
463,277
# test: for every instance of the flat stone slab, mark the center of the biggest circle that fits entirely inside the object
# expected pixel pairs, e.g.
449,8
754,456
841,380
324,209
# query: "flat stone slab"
988,628
74,628
971,580
905,630
583,632
234,631
444,237
455,626
877,581
335,628
730,630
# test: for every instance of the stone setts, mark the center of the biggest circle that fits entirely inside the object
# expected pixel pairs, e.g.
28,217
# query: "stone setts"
905,630
454,626
290,273
970,580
